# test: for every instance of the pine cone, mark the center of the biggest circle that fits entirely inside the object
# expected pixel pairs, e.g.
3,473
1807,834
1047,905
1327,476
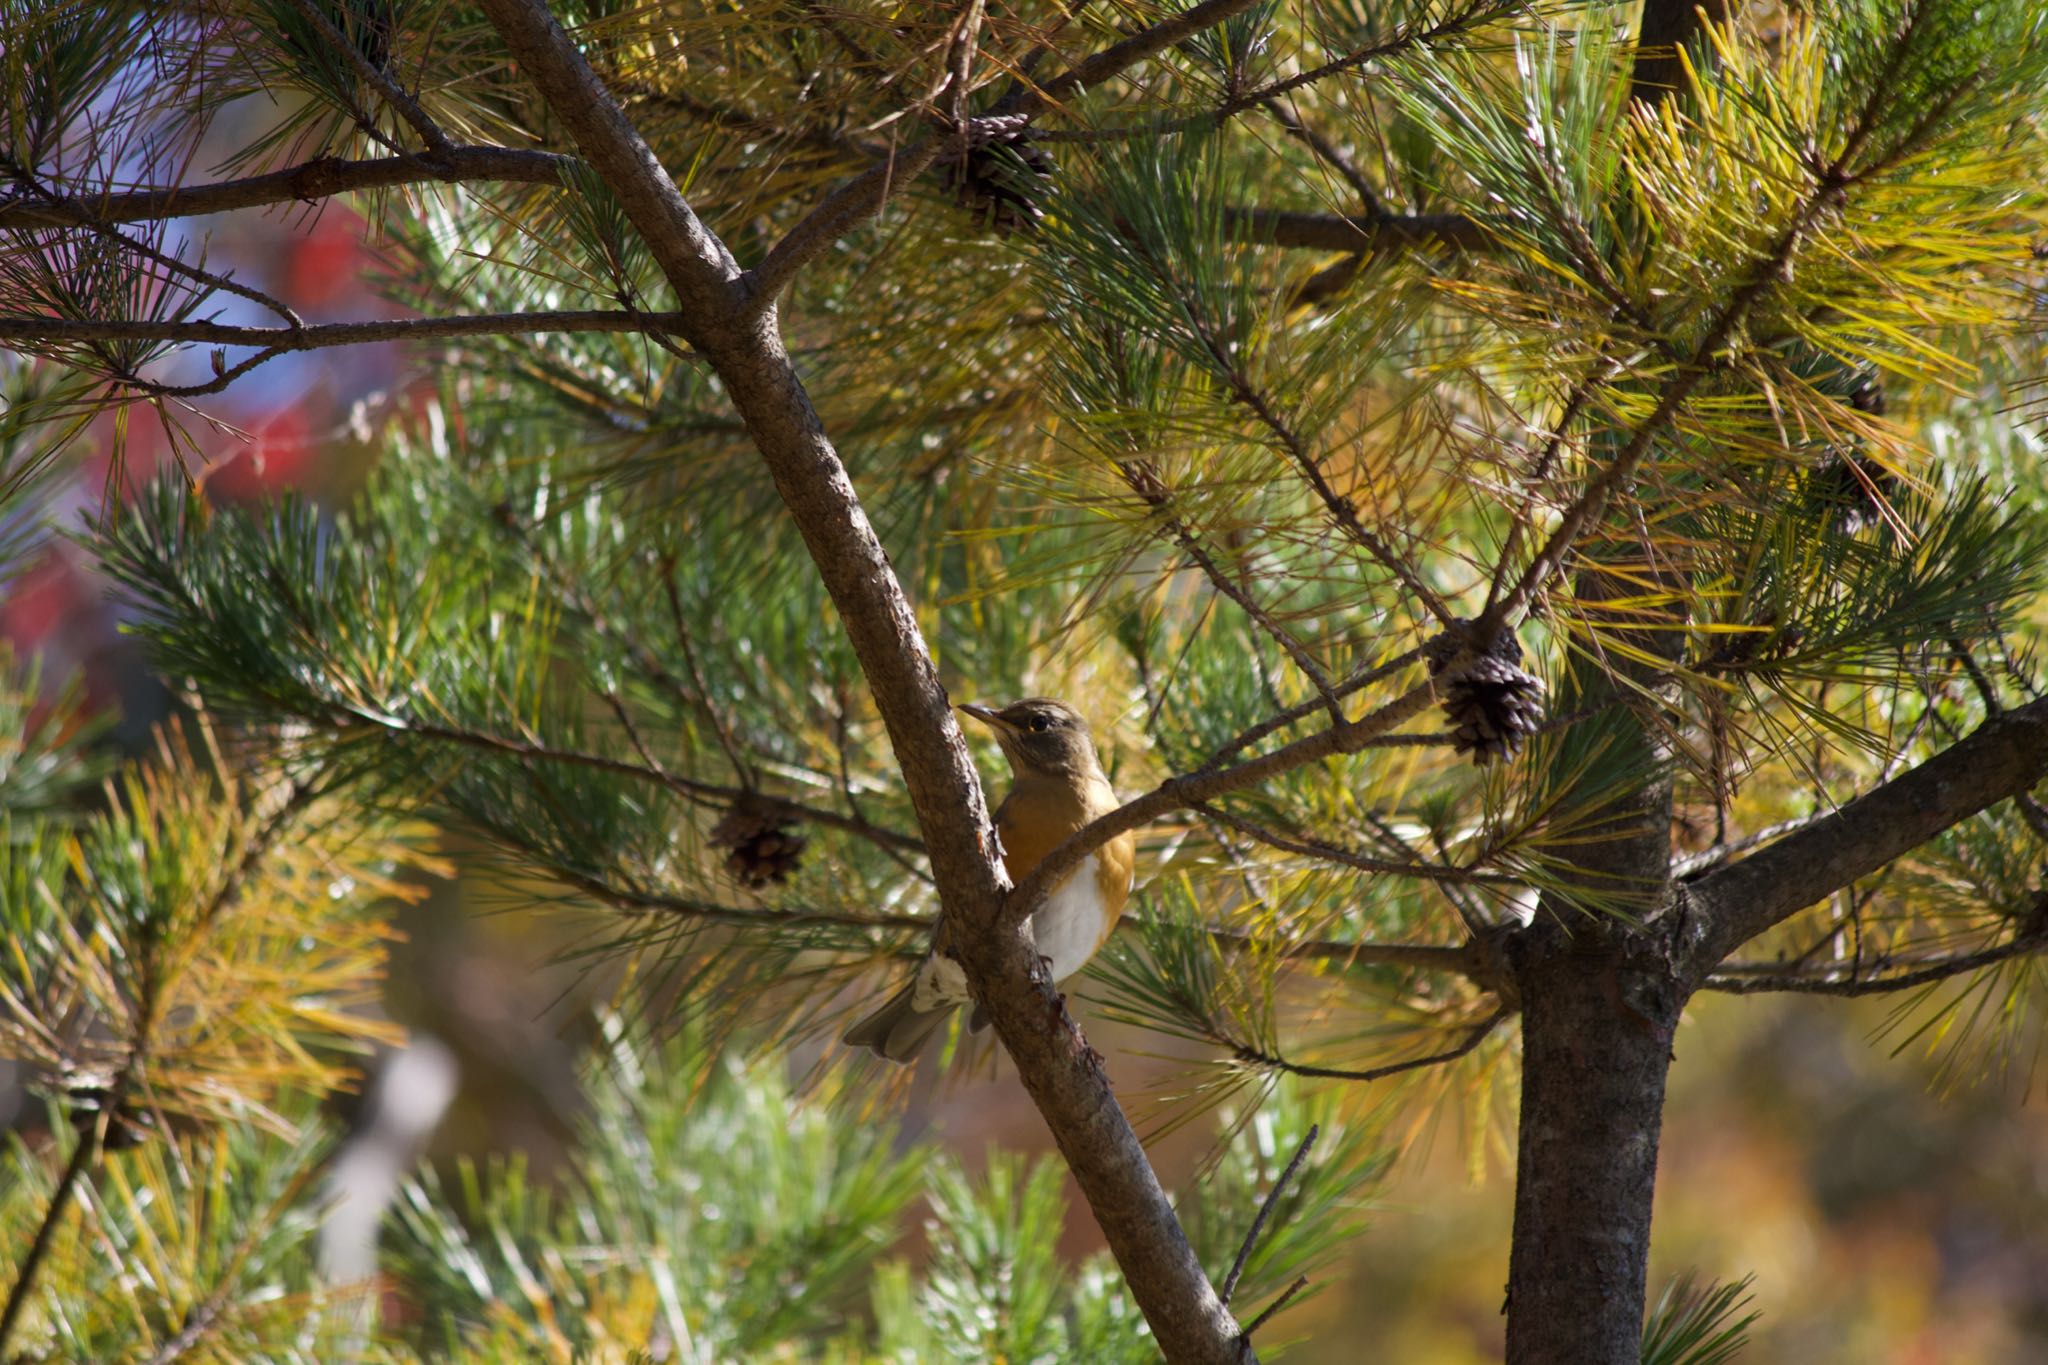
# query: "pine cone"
761,842
1493,704
1000,175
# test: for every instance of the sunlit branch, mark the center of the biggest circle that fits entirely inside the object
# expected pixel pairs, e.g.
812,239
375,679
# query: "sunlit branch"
2004,757
1357,682
307,183
702,792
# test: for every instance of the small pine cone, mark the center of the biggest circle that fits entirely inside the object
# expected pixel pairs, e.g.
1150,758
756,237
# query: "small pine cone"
1001,174
1856,487
761,842
1493,705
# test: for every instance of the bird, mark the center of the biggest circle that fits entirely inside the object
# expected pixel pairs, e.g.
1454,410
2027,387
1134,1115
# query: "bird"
1056,787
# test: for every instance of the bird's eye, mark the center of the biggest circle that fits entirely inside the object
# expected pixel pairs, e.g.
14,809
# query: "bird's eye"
1040,724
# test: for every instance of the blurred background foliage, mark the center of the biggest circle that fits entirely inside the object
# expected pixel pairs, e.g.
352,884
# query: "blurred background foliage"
321,676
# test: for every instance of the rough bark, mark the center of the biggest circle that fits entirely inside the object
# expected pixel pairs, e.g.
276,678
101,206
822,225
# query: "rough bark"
1597,1018
742,341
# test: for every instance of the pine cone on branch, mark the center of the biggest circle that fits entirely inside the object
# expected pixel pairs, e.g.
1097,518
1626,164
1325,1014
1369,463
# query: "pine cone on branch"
1493,704
760,840
999,173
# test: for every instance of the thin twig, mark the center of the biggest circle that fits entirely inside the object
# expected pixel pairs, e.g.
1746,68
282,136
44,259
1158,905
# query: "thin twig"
700,792
1311,847
1729,982
719,726
1246,1053
1145,482
1286,1297
407,107
1244,1252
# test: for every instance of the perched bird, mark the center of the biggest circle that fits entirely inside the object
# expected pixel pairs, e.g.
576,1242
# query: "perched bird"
1056,787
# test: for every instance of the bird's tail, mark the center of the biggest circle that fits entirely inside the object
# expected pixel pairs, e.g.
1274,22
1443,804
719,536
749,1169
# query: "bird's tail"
899,1029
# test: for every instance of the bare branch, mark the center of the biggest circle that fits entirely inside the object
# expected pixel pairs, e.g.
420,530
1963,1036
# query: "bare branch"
1251,1238
1266,1315
1464,1047
2004,757
1310,847
1061,1073
845,208
302,184
319,336
1334,232
1738,979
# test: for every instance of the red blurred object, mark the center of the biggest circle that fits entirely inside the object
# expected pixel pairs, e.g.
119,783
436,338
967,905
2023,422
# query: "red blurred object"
275,458
327,263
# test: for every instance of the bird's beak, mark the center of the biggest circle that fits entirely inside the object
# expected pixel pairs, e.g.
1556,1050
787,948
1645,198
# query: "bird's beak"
987,715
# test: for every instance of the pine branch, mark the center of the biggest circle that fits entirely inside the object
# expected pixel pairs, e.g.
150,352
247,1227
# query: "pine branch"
306,183
1477,12
1743,979
142,1028
1251,1238
1092,71
1063,1076
1827,193
1326,851
1189,790
711,794
1335,232
852,204
1144,481
1244,1052
380,80
321,335
2005,756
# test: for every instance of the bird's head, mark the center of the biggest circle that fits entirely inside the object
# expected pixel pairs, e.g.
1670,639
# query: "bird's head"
1040,736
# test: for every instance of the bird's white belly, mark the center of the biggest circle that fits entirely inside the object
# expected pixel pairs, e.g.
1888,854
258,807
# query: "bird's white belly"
1070,923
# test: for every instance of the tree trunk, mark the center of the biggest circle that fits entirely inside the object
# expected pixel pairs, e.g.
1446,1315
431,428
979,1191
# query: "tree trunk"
1596,1046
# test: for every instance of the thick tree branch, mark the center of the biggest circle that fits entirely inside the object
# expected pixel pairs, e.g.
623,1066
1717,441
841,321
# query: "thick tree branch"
1062,1074
2004,757
303,184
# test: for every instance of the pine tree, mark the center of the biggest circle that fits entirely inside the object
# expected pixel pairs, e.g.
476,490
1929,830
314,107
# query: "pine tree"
1551,522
